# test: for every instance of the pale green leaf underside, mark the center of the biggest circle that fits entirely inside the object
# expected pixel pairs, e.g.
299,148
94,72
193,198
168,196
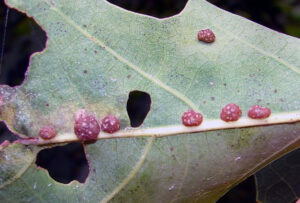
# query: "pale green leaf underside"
121,52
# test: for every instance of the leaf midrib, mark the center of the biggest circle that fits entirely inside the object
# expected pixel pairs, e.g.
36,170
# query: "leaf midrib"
172,130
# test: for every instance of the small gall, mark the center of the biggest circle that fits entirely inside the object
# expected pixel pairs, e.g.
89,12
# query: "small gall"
231,112
259,112
110,124
86,126
206,36
47,132
191,118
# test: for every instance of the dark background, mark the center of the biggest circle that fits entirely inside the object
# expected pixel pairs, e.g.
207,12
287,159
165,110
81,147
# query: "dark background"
23,37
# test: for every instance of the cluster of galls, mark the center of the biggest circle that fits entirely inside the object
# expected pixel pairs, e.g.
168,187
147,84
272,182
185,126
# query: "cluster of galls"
86,126
231,112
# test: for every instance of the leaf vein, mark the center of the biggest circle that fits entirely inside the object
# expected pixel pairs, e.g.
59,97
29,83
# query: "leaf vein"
172,91
133,173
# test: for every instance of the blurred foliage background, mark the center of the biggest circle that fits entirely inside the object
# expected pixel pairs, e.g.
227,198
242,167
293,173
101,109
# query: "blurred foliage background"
24,37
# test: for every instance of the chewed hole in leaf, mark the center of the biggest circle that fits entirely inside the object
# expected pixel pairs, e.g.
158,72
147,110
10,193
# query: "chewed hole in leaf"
138,106
23,37
65,163
156,8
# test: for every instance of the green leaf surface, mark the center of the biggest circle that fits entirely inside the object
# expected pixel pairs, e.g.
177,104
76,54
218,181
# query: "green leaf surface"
97,53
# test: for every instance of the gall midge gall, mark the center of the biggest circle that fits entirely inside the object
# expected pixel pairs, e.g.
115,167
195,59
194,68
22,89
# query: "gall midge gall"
110,124
47,132
206,36
259,112
231,112
86,126
191,118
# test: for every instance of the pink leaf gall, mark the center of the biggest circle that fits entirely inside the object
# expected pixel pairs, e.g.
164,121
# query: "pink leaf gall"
206,36
86,126
231,112
191,118
47,132
259,112
110,124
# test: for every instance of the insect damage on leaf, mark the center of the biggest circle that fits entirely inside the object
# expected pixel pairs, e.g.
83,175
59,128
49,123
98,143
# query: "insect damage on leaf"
110,124
47,132
191,118
259,112
231,112
86,126
206,36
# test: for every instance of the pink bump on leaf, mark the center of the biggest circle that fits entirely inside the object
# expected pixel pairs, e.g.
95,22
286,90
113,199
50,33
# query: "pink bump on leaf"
206,36
86,126
231,112
259,112
110,124
47,132
191,118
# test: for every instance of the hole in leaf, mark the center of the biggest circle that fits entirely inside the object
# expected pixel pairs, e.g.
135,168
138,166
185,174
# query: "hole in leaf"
5,134
23,37
244,192
138,106
156,8
65,163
